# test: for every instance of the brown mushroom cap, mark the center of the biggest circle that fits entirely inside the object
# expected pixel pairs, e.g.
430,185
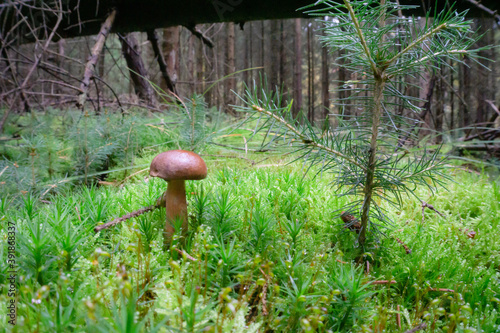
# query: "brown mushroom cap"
178,165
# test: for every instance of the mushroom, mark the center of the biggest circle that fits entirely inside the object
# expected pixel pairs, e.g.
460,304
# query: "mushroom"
176,166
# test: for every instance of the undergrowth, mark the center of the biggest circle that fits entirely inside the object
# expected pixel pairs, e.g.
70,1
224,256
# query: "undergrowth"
264,253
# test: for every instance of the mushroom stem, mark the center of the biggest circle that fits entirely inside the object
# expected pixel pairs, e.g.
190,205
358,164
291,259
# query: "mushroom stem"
176,210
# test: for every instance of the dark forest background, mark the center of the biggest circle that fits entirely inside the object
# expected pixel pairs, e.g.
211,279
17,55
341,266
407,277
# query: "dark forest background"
462,99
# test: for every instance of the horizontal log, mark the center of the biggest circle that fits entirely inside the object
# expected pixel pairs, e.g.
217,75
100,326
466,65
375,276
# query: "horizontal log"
85,17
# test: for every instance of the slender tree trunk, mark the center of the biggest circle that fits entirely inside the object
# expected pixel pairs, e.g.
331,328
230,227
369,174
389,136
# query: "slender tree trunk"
171,45
246,52
483,86
452,100
310,68
200,71
275,55
138,73
190,65
310,112
263,44
439,109
61,45
343,90
231,68
297,85
250,51
282,61
466,92
160,59
370,172
325,81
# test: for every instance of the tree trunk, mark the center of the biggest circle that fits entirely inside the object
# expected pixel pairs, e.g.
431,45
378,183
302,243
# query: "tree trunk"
171,54
325,81
484,84
297,82
160,59
439,109
282,59
465,92
231,68
191,65
138,73
343,89
275,55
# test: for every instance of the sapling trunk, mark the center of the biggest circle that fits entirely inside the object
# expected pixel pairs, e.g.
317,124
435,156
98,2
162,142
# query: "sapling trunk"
370,171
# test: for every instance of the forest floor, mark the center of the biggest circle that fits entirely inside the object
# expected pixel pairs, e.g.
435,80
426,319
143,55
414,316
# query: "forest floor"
266,249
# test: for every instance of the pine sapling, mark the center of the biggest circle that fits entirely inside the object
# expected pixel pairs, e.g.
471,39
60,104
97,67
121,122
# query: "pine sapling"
365,151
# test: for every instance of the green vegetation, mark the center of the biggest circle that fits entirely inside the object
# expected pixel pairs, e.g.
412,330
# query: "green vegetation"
266,249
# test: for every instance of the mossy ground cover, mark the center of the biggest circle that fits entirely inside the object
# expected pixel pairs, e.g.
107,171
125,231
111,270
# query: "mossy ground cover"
266,252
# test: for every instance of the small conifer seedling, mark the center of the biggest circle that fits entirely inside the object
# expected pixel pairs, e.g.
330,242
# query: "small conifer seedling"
366,151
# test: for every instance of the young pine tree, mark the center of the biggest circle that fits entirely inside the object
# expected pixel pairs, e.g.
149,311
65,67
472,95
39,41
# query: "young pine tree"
366,151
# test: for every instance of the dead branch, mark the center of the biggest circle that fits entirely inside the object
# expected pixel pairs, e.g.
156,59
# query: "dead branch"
442,290
35,64
264,293
153,39
407,249
383,282
398,317
207,41
417,328
431,207
138,74
184,253
493,13
493,106
160,202
96,51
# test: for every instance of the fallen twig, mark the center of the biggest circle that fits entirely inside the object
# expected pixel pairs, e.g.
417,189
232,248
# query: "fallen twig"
417,328
184,253
383,282
431,207
132,175
264,293
398,317
160,202
407,249
442,290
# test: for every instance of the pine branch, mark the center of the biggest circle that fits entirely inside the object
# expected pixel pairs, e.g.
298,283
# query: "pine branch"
361,36
417,42
305,139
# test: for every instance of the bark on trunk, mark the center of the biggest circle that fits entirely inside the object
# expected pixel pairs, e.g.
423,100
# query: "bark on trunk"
138,73
171,54
325,82
297,84
231,68
167,81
